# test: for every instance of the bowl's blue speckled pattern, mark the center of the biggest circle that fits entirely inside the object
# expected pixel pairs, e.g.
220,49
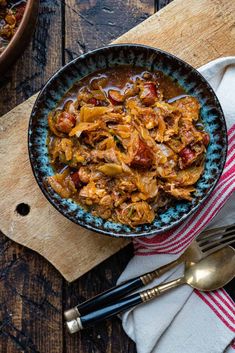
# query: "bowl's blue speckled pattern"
151,59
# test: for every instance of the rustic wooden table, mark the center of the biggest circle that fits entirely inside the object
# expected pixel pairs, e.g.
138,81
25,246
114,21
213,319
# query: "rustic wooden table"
33,295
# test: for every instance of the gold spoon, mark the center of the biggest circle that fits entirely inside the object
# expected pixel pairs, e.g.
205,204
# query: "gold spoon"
211,273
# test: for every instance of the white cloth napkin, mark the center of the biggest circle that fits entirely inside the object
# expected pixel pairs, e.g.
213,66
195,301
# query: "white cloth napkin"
183,320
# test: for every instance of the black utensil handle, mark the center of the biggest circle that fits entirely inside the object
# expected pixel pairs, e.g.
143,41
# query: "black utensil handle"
109,296
117,292
113,309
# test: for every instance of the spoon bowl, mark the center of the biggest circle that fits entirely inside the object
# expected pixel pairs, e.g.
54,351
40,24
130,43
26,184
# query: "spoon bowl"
212,272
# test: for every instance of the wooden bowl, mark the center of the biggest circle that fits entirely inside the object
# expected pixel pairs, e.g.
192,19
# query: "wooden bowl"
21,37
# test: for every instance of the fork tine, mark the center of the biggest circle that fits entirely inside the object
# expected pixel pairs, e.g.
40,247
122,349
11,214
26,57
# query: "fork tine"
208,233
215,237
216,248
214,243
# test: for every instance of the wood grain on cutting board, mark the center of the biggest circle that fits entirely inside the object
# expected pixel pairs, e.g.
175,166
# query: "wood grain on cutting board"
195,30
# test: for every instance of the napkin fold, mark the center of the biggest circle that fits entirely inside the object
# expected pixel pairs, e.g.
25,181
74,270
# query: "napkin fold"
186,320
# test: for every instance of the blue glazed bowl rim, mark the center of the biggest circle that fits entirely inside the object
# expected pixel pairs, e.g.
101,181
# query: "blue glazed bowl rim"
84,224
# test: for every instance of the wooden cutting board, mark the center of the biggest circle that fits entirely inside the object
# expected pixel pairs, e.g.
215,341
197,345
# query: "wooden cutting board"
195,30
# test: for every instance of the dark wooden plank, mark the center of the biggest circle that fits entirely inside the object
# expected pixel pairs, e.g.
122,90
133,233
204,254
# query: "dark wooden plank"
41,58
162,3
30,288
30,302
94,23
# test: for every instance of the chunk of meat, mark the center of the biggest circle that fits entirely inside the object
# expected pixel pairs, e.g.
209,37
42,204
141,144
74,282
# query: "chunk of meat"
65,122
148,93
76,180
188,133
187,156
142,156
93,101
20,12
115,97
190,154
96,102
206,139
172,125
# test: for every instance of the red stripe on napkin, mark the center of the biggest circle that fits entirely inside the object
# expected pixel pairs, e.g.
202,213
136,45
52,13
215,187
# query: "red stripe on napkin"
218,308
229,304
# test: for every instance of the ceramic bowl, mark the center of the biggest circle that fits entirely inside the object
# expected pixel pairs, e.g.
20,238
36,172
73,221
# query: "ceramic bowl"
21,37
151,59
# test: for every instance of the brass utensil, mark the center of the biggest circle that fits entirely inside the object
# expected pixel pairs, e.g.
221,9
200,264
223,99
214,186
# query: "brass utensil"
211,273
205,244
